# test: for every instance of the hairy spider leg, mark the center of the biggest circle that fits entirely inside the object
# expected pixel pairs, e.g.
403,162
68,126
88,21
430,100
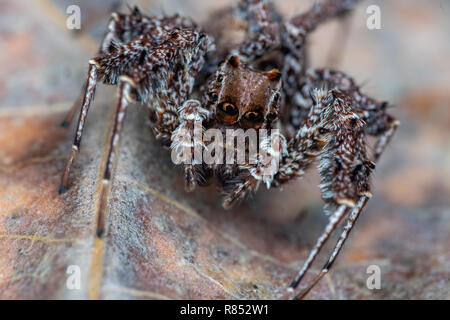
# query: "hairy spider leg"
294,38
138,56
108,67
88,97
333,222
263,30
335,133
385,137
124,100
351,220
186,140
141,30
114,28
139,79
343,165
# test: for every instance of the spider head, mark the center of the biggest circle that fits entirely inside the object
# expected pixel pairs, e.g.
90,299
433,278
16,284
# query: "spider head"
243,97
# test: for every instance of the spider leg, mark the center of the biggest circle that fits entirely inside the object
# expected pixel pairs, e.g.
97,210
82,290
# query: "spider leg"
88,97
334,220
163,76
187,141
138,85
320,12
184,55
107,67
177,57
294,36
129,34
123,28
333,133
379,123
124,100
263,29
386,132
351,220
117,26
243,185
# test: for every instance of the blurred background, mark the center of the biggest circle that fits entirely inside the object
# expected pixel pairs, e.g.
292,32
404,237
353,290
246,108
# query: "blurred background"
162,243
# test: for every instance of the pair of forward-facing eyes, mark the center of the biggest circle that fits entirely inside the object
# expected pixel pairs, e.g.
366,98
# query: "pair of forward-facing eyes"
231,113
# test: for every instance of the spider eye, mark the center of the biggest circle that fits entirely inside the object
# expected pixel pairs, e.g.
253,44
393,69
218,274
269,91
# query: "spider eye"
213,96
253,116
227,112
228,108
272,116
252,119
220,78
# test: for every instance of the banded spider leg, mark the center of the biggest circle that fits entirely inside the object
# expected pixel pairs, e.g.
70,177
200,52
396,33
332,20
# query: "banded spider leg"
160,67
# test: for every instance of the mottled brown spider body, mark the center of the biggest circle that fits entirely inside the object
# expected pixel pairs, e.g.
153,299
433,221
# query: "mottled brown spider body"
170,65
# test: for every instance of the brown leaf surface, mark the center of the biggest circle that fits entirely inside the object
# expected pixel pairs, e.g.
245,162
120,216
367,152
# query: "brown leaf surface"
165,244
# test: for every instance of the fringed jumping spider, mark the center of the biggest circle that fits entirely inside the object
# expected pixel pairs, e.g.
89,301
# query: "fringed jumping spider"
171,66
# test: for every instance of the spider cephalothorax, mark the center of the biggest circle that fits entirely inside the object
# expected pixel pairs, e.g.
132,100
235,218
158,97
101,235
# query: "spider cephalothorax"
308,115
244,98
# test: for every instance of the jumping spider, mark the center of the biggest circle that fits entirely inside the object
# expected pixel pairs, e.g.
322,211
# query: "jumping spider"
170,65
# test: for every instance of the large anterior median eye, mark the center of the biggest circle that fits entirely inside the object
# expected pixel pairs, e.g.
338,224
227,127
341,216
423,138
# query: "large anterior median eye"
228,108
227,112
